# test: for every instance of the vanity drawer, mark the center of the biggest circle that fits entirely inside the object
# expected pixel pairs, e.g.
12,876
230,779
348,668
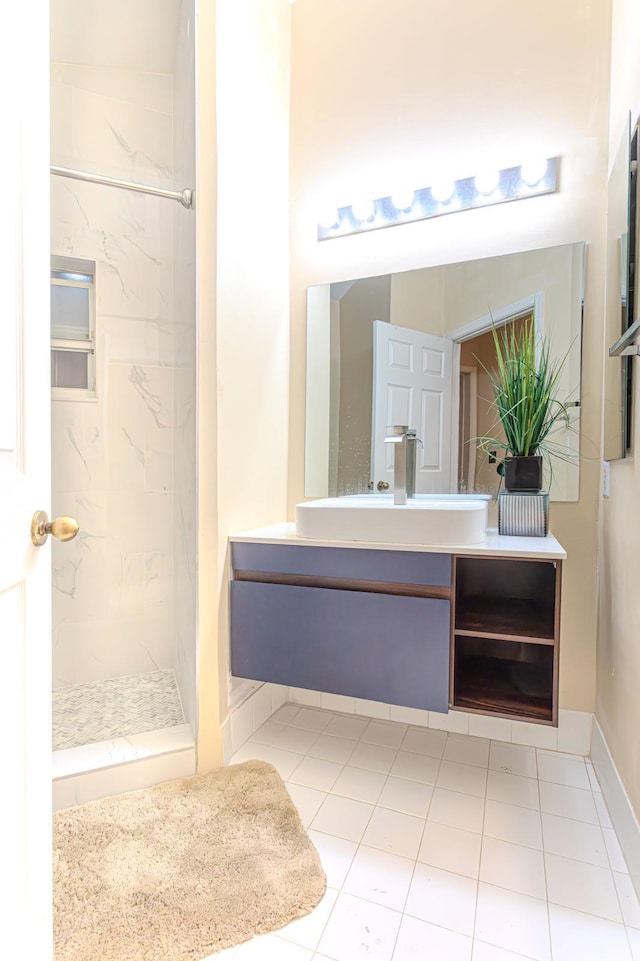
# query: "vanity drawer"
373,646
396,567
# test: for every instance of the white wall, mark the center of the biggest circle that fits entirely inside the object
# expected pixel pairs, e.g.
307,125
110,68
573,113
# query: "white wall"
618,704
252,98
415,89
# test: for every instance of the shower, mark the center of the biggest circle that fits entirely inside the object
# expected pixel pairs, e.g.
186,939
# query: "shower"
123,394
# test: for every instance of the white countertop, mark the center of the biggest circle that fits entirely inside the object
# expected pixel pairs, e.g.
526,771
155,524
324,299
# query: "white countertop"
494,543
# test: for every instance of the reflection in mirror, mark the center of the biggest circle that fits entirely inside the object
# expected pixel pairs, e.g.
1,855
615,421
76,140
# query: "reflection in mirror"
411,347
619,304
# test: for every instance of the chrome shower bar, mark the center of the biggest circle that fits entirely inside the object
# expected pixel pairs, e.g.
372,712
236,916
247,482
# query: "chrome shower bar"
185,197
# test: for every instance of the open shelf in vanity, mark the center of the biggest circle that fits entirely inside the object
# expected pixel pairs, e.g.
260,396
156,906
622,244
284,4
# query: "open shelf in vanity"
505,634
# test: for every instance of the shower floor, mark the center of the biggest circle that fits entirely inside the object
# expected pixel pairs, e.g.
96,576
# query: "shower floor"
118,707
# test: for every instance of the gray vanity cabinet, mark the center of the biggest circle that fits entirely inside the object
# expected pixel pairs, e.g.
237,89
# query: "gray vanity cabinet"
364,623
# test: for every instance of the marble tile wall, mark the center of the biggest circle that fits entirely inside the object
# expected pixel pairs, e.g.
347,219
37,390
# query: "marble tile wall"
184,462
114,459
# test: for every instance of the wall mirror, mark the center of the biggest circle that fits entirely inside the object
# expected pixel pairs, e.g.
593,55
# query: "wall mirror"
620,295
408,348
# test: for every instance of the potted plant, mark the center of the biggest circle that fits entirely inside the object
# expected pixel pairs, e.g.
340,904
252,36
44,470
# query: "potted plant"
524,383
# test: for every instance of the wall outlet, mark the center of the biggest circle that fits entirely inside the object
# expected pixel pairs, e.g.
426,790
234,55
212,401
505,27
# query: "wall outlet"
606,473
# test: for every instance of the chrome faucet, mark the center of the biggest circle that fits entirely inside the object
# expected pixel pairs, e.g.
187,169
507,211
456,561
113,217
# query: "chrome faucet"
404,462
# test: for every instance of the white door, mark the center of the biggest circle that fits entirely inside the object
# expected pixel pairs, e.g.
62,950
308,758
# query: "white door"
25,578
413,385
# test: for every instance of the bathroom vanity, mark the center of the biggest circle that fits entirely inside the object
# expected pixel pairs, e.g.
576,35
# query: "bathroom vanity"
434,628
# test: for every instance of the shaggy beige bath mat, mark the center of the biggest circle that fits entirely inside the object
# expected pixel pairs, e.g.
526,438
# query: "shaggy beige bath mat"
183,869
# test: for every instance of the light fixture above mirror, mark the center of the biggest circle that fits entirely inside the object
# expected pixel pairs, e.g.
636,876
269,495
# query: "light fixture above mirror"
530,179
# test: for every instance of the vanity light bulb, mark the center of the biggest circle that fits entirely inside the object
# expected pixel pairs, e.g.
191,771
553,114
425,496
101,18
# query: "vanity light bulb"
487,181
363,209
533,171
328,218
443,190
403,199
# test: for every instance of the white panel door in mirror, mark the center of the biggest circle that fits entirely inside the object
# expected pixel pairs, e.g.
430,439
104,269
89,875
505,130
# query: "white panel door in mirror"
418,395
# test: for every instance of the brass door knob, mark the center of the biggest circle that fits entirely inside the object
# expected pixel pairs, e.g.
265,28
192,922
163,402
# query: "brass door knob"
62,528
383,486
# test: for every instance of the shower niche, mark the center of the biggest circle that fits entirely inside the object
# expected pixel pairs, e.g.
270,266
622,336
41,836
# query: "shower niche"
123,452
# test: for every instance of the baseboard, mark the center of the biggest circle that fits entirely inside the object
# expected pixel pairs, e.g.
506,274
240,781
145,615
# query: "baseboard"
571,736
617,800
245,718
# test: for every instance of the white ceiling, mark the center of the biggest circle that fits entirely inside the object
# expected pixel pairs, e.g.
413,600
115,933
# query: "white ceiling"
137,34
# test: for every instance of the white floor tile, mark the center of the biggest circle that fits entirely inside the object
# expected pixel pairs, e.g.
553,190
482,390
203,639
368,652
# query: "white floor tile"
628,899
386,735
514,867
489,952
291,738
568,802
451,849
373,757
424,741
394,832
336,855
409,797
343,818
332,748
415,767
574,839
513,921
310,720
467,750
307,931
614,851
316,773
380,876
443,898
512,823
270,947
457,810
513,760
267,733
513,789
464,778
371,828
581,937
561,770
307,801
359,784
284,762
634,942
348,727
359,929
419,940
581,886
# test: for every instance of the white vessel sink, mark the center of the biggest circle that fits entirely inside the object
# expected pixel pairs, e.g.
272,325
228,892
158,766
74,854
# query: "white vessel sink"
438,520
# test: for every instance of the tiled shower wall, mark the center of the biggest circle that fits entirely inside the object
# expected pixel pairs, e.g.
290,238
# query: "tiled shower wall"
184,134
115,459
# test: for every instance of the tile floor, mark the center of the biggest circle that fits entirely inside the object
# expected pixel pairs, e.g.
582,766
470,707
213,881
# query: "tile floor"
445,847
